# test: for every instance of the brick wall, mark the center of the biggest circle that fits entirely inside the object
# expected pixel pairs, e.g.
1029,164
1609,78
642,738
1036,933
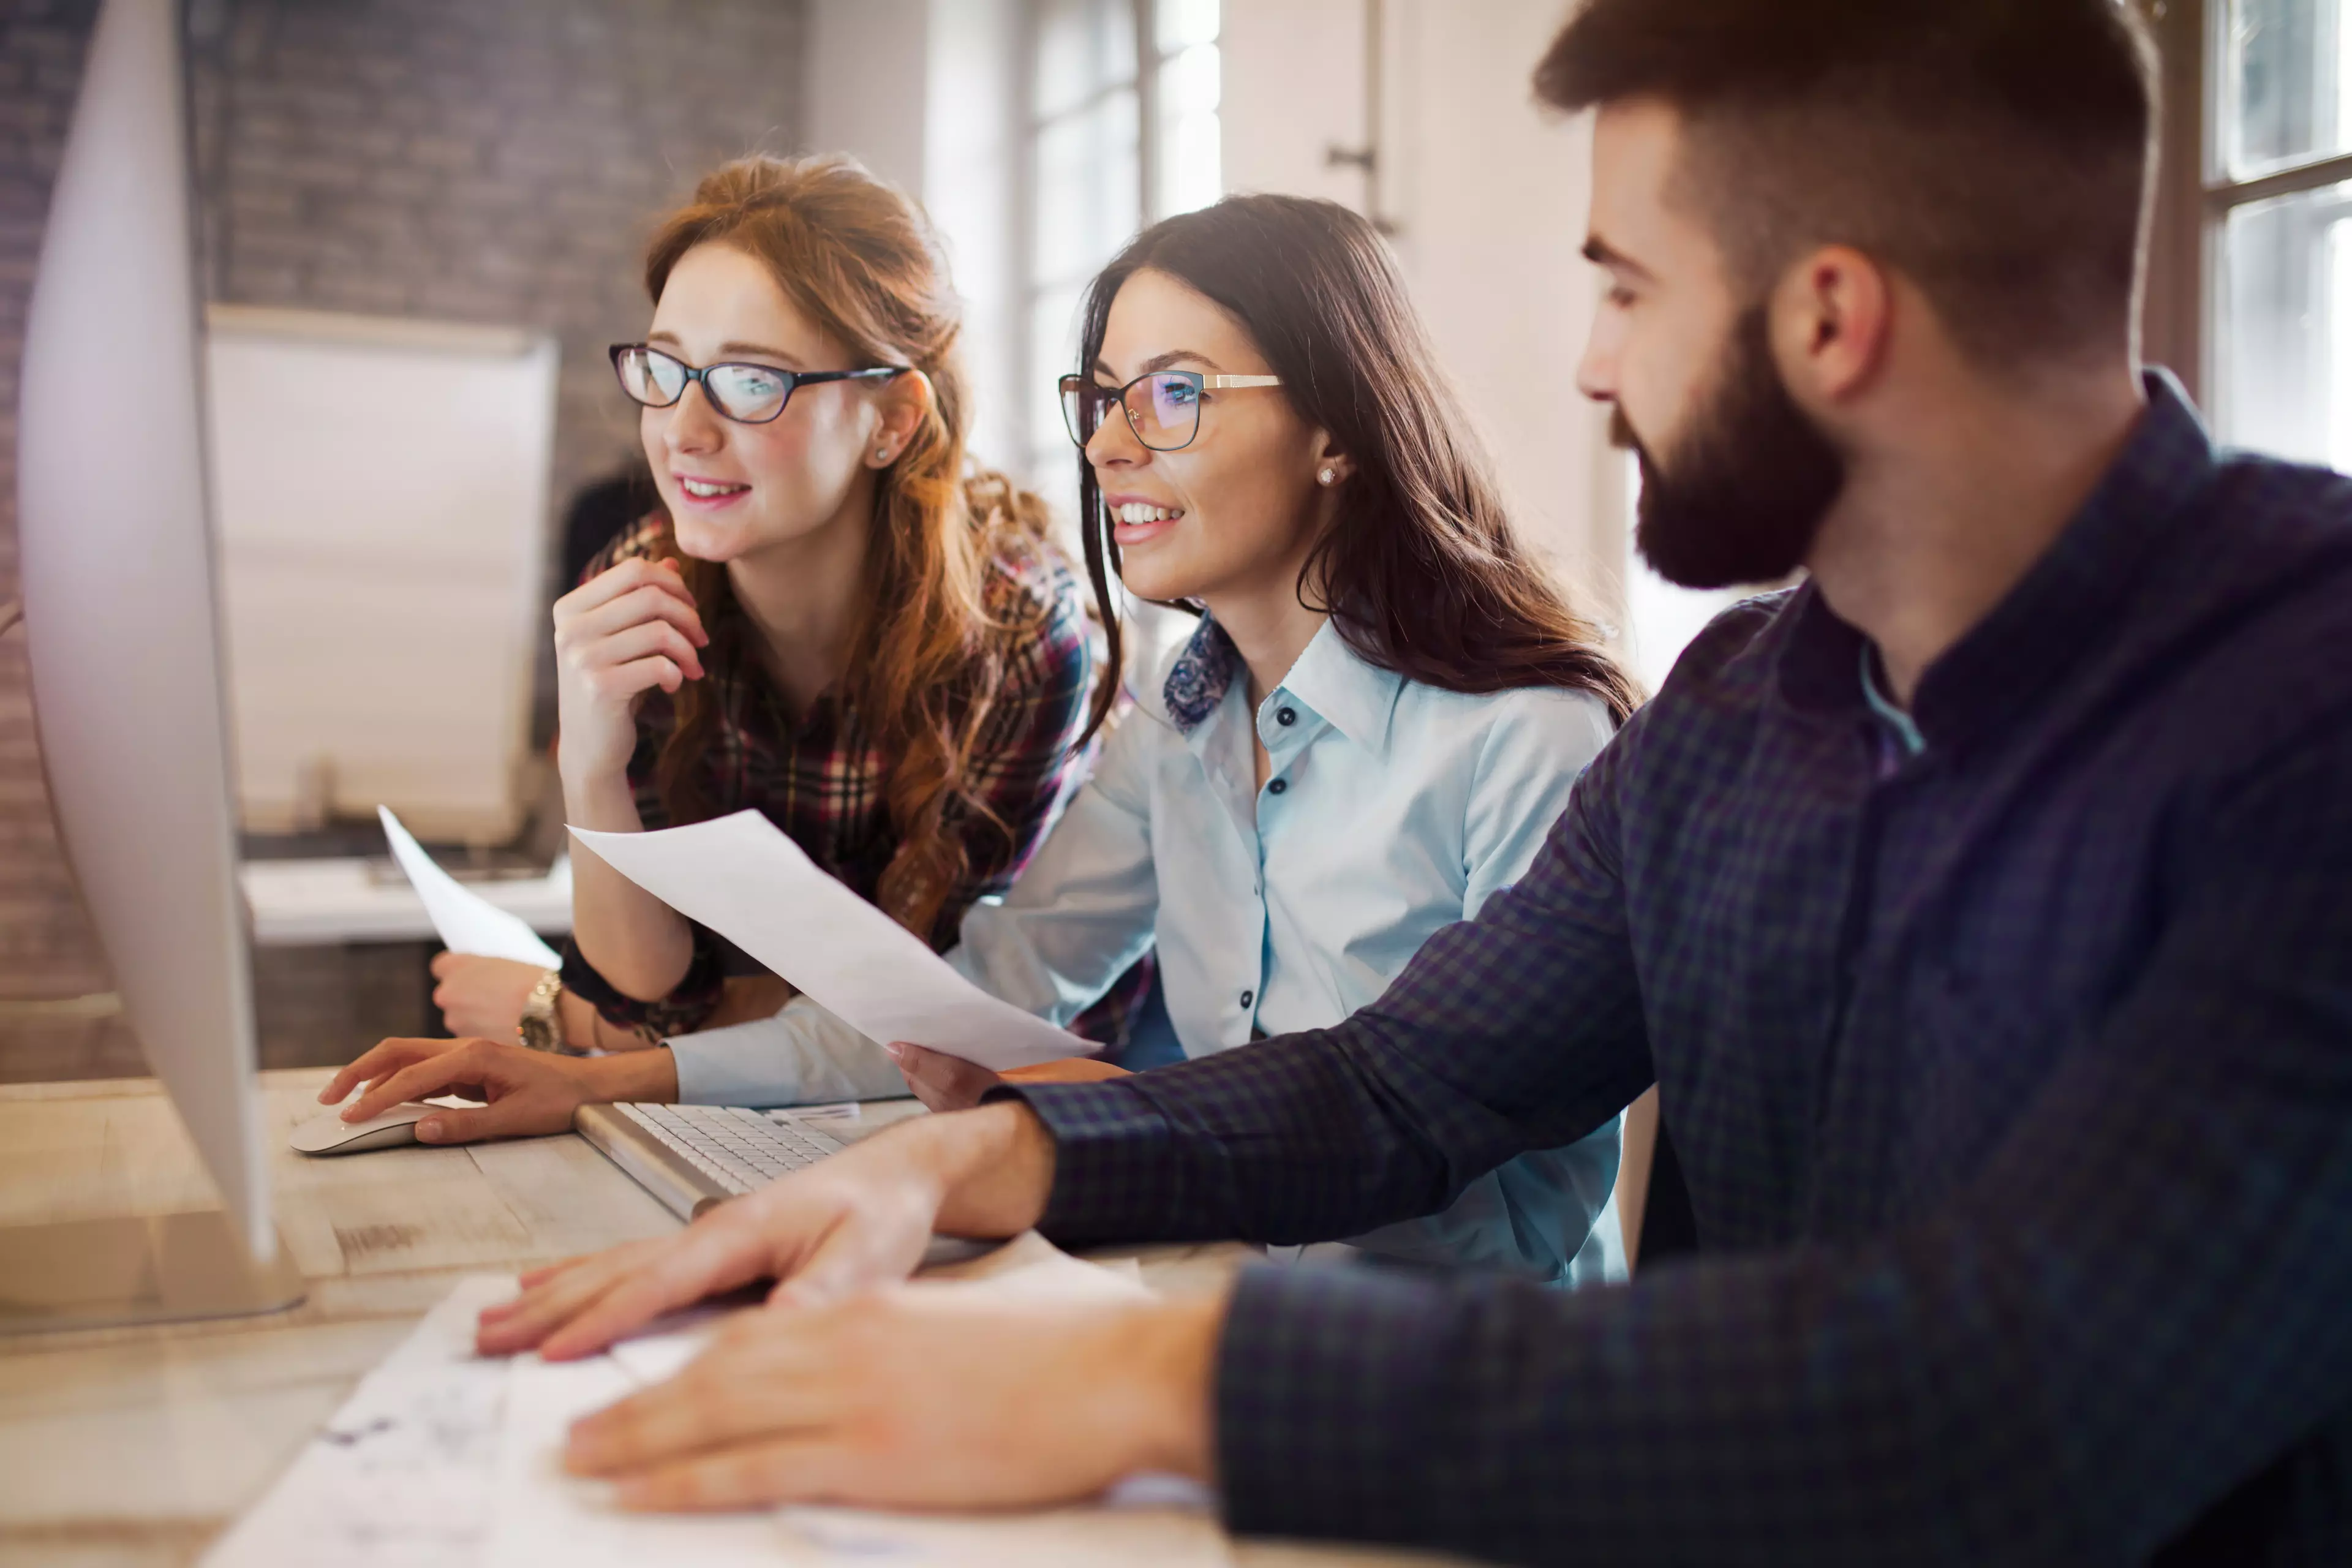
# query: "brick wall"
492,160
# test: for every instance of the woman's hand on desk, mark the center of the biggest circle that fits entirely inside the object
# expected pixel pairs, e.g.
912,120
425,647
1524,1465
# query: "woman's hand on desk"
526,1093
944,1082
918,1396
618,637
847,1224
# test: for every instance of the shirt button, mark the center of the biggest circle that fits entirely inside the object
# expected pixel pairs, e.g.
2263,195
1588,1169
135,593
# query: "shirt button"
1278,786
1287,717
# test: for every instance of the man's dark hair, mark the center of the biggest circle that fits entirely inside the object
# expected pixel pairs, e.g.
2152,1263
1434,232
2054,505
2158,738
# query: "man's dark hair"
1998,153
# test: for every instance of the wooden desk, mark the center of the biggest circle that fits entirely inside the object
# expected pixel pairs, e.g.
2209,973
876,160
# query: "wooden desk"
134,1447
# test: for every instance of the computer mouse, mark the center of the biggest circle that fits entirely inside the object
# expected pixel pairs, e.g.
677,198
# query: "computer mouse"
328,1133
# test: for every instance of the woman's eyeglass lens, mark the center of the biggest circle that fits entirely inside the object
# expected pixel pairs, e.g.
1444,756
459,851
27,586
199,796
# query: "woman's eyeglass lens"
1163,408
747,394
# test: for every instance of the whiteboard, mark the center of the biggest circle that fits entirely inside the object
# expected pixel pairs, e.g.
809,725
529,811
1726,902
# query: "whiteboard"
380,489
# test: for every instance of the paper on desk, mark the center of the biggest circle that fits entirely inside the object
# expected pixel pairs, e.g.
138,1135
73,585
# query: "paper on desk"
746,880
467,922
546,1516
402,1476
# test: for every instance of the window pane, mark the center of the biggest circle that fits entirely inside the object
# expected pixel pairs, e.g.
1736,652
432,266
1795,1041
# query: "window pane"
2286,331
1088,189
2283,80
1180,23
1053,349
1191,170
1083,46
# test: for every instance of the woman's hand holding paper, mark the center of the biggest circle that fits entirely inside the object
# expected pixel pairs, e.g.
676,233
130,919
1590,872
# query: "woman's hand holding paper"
944,1082
482,997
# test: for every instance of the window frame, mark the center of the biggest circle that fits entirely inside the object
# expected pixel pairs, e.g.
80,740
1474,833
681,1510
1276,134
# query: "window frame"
1150,61
2180,316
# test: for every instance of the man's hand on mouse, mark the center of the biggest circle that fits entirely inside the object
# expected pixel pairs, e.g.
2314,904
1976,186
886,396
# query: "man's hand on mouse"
526,1093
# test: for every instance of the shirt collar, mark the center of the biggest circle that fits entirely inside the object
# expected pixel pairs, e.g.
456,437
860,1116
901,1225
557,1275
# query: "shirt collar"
1355,697
1199,676
2067,603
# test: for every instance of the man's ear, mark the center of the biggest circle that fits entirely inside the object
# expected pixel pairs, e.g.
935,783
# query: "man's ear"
1831,323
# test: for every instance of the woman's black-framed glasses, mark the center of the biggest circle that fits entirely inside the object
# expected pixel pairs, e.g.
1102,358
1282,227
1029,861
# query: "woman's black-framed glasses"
747,394
1163,408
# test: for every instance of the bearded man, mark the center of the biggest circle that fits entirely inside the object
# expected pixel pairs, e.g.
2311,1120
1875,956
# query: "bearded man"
1981,907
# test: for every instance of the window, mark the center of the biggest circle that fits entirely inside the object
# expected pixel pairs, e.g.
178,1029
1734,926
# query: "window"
2264,160
1123,132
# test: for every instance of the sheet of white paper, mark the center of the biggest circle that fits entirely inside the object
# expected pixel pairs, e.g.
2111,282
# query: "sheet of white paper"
402,1476
545,1516
746,880
467,922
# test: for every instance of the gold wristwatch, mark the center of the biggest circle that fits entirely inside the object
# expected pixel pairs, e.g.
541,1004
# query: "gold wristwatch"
539,1030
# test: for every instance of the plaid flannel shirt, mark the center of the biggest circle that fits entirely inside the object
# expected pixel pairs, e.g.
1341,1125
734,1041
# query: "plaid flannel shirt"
823,780
2012,1083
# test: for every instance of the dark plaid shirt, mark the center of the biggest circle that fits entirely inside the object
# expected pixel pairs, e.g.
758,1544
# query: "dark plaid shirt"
2013,1084
822,777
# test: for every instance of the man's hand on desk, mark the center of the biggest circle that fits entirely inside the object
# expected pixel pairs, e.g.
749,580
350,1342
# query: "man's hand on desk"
922,1397
943,1083
527,1093
845,1225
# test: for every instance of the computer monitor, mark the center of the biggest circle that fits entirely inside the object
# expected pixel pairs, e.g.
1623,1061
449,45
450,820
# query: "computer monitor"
122,614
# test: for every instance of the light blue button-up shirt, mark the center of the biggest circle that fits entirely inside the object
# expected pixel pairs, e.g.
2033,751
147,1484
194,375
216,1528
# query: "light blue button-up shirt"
1392,809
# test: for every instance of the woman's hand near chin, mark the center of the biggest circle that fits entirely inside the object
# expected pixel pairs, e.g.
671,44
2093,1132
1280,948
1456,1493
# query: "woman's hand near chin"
622,634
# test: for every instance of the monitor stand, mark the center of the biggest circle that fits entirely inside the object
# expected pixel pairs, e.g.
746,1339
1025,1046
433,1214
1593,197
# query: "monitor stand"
113,1273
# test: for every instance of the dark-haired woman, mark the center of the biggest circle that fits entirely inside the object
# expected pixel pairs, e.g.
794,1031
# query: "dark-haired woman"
1378,720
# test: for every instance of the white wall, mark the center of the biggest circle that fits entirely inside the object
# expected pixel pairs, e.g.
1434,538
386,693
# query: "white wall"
926,93
867,81
1488,196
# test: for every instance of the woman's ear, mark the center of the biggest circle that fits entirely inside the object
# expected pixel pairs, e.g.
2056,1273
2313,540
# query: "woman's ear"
1332,466
905,402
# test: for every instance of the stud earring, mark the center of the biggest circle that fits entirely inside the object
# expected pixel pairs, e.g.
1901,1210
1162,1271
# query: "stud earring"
1328,476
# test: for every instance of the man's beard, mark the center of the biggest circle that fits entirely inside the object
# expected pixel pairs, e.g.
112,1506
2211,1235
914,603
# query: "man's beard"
1746,488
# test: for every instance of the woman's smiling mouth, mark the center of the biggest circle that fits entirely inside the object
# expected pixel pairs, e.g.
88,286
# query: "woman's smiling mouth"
709,492
1135,520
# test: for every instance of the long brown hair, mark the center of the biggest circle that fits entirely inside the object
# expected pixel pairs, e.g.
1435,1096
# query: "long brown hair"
927,662
1420,570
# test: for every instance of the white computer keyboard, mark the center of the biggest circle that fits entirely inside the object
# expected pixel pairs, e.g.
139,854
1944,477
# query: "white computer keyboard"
738,1149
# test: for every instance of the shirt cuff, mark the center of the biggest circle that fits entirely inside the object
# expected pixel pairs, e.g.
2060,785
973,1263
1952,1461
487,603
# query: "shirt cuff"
803,1056
1116,1177
1324,1382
